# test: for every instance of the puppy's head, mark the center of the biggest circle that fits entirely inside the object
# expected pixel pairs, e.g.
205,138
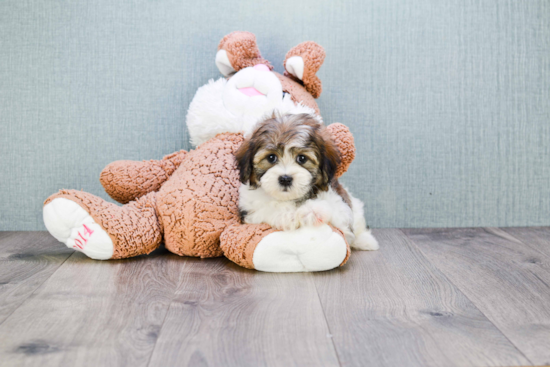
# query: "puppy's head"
291,157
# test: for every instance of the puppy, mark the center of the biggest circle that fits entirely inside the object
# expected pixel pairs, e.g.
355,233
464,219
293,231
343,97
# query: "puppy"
287,172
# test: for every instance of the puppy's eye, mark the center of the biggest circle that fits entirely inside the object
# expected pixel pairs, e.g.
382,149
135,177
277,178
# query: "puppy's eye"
301,159
284,94
272,158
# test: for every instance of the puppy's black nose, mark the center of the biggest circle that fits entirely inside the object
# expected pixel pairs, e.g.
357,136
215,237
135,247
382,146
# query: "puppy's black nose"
285,180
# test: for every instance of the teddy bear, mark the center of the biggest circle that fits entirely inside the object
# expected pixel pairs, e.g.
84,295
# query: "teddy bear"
189,200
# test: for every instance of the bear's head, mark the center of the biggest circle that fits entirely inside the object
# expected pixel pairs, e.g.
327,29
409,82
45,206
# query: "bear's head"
251,91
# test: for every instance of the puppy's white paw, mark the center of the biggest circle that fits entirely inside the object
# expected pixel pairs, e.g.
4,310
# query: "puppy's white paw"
366,241
69,223
285,221
313,214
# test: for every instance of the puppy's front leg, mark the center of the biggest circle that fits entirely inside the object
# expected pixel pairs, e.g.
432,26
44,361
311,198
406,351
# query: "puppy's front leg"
287,221
313,213
282,219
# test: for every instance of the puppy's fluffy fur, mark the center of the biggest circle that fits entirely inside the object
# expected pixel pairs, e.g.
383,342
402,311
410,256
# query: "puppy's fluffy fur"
287,172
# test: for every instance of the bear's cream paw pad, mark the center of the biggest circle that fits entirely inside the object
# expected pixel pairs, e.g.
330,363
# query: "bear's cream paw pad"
69,223
305,249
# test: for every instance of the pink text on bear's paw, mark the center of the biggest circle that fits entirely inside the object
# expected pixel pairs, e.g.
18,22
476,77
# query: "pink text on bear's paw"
83,237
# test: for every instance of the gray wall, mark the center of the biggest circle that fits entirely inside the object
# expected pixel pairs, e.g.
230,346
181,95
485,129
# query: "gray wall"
448,100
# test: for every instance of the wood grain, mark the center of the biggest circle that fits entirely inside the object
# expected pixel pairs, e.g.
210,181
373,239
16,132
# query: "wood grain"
93,313
536,238
507,280
224,315
394,308
27,260
439,301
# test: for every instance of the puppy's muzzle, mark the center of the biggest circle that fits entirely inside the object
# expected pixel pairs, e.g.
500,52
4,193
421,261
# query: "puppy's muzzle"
285,181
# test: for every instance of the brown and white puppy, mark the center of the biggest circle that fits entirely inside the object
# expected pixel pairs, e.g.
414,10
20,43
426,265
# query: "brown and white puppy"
287,172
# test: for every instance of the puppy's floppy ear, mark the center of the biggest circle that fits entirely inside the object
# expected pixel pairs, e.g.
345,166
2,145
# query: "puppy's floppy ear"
245,162
238,50
329,159
302,63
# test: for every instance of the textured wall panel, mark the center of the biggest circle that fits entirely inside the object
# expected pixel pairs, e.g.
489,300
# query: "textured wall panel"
449,101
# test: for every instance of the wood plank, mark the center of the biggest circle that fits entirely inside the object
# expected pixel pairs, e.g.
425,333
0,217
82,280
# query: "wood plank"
537,238
507,280
6,234
93,313
394,308
224,315
27,260
18,245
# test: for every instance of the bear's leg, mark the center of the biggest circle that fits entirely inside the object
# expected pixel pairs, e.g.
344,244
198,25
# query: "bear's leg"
258,246
103,230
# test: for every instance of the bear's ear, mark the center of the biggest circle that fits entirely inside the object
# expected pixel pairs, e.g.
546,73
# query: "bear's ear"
302,63
238,50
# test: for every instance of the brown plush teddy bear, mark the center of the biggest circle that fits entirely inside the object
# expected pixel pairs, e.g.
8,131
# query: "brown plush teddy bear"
189,199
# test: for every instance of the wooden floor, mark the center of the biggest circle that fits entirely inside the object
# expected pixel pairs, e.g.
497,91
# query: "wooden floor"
428,297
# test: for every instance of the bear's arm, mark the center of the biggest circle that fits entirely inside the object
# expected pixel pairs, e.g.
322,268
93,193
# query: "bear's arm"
344,141
125,181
